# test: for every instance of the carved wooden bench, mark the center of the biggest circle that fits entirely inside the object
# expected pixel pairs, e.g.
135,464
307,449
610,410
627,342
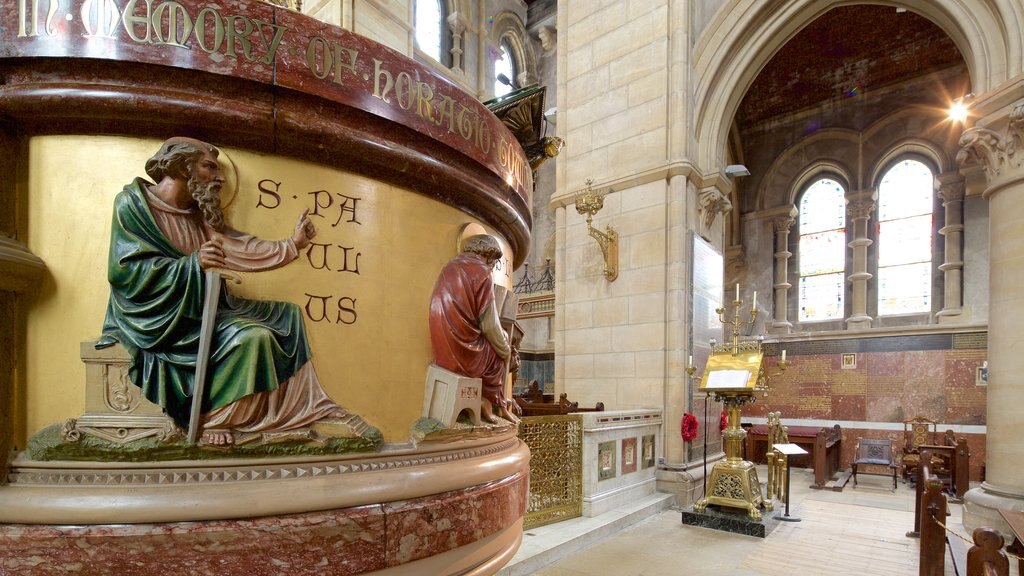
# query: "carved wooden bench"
984,558
828,455
955,457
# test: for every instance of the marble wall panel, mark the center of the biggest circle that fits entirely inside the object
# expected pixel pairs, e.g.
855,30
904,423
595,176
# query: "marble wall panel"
349,541
932,376
884,387
343,542
849,407
429,526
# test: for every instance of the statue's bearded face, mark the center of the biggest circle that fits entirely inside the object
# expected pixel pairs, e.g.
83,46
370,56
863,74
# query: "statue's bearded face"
204,183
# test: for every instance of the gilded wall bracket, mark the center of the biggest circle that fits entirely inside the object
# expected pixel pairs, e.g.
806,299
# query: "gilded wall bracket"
590,203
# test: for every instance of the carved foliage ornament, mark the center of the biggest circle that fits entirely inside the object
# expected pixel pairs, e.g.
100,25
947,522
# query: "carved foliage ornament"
952,192
783,224
996,154
712,203
860,209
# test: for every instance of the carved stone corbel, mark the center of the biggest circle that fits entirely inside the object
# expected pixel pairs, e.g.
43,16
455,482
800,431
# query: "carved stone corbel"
548,37
711,203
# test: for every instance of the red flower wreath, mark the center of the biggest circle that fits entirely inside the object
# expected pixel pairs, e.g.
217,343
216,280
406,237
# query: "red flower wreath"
724,423
689,427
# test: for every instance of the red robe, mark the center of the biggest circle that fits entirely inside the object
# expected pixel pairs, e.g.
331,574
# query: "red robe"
461,296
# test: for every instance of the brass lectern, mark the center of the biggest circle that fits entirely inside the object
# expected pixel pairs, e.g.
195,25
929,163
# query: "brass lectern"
733,373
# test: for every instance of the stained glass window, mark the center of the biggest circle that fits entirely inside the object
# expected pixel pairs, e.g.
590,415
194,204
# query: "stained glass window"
822,251
505,66
905,239
428,24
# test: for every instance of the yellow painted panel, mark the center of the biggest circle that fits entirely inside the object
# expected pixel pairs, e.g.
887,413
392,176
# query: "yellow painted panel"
367,319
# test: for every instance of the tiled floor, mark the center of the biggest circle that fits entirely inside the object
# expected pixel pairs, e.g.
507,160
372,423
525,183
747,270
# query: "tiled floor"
859,531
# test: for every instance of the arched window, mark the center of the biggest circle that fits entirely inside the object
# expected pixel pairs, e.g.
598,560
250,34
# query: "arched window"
822,251
905,239
429,22
504,69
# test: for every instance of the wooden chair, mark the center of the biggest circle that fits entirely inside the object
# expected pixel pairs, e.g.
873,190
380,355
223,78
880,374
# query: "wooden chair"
916,432
875,452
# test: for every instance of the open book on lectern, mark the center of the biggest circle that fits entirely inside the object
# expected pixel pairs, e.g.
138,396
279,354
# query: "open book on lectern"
726,372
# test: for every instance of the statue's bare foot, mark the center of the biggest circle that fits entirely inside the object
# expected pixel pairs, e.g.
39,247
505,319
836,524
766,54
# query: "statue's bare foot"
504,413
216,437
487,413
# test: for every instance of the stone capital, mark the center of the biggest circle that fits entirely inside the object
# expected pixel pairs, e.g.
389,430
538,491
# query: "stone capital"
858,209
999,153
783,224
457,23
951,192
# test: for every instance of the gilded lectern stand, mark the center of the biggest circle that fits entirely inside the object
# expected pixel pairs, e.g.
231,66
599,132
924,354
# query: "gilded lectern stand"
733,373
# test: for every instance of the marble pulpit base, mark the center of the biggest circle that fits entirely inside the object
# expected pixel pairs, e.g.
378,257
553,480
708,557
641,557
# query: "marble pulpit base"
436,510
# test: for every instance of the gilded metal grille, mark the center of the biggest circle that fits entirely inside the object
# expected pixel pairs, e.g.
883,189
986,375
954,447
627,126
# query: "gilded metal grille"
729,486
556,468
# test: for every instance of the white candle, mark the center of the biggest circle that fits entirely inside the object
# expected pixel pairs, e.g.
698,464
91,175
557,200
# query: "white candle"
755,299
783,354
737,292
691,360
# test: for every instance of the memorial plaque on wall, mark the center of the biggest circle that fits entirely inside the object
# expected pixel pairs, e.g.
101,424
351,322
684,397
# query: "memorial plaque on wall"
707,271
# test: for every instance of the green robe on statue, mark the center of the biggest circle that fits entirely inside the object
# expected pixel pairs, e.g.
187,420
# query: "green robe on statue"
155,311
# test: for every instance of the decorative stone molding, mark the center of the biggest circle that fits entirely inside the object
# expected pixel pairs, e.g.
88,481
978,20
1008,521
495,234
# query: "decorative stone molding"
509,27
23,474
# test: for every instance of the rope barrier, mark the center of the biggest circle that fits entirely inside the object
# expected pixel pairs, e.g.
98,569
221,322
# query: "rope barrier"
971,542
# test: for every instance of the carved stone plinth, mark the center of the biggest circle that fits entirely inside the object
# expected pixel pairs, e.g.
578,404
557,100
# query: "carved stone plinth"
448,394
115,409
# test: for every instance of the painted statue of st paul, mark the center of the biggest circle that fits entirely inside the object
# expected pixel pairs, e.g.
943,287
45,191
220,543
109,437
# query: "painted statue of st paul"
165,235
